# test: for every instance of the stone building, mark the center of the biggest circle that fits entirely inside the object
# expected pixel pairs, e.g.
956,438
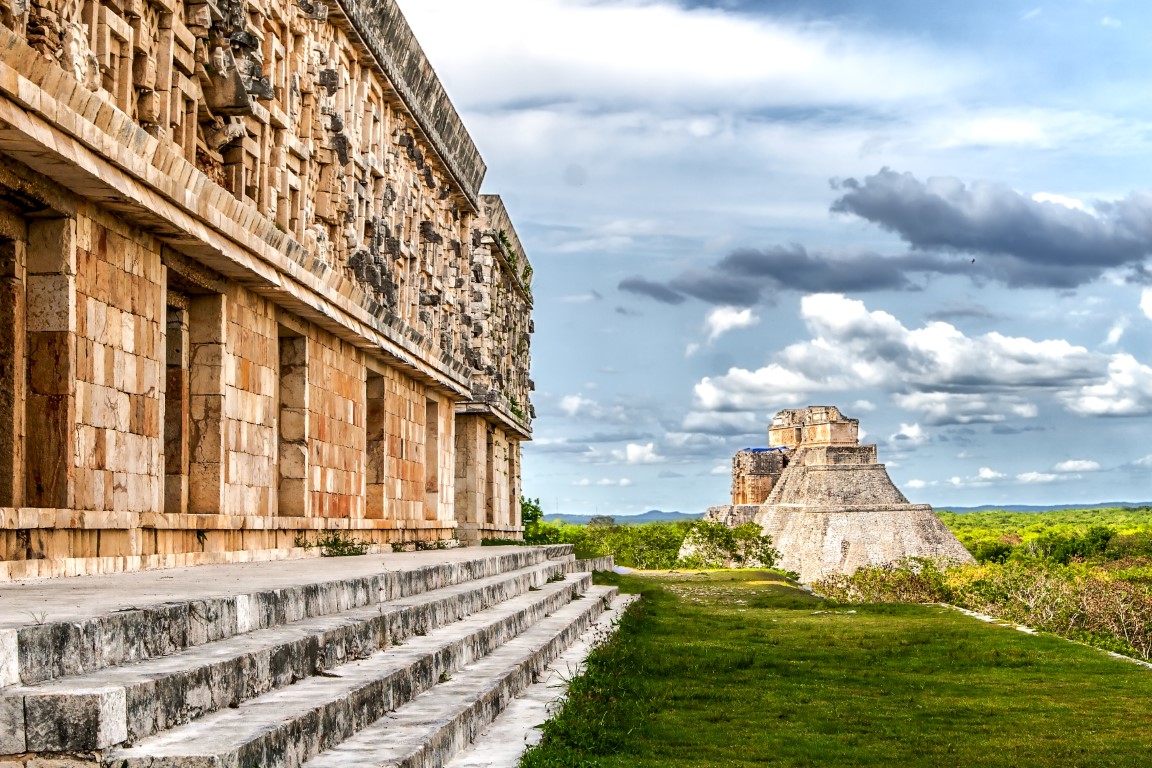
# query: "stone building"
827,503
249,289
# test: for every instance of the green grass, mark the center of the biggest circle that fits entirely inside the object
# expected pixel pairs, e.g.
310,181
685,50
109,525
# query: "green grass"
740,669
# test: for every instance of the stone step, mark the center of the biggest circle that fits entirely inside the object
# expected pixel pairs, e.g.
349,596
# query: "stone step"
503,742
44,650
436,725
283,728
128,703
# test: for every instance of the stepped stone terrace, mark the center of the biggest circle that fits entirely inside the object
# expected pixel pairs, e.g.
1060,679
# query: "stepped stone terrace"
249,289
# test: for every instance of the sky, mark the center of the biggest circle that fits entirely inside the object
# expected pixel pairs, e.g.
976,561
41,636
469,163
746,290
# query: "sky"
936,216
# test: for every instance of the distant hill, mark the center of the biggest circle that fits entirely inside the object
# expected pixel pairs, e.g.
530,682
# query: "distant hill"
1055,508
651,516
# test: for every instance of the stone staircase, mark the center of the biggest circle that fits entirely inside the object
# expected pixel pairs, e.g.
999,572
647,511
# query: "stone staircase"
378,667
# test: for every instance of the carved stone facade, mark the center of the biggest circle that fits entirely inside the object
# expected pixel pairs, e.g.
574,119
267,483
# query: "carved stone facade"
826,502
249,290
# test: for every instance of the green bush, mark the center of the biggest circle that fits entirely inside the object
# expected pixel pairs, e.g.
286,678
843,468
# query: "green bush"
715,545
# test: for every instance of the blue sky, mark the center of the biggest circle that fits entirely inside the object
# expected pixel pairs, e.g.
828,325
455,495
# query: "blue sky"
937,216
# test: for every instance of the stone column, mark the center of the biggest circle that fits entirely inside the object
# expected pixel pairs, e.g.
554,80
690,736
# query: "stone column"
207,334
176,407
294,494
13,380
50,404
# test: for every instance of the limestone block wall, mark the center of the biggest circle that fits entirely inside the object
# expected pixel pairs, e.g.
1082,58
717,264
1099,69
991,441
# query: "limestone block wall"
754,474
488,485
251,353
248,287
119,339
336,428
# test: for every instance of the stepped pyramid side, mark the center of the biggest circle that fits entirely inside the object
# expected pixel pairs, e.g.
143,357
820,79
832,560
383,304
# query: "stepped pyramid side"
828,504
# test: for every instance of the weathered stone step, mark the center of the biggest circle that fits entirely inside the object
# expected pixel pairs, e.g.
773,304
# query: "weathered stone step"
285,727
127,703
48,649
427,732
503,742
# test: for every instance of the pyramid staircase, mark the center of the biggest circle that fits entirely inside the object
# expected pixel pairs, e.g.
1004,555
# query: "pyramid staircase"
381,668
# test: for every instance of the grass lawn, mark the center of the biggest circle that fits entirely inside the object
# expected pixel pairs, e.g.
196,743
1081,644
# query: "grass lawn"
739,669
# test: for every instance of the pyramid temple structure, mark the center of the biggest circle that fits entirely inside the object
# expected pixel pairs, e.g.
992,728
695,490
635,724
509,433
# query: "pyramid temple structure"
827,503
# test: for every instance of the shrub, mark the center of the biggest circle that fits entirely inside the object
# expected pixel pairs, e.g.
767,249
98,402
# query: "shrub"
715,545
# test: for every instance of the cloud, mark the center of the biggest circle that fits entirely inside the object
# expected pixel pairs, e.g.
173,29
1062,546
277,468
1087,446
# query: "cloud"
1117,331
724,319
667,474
555,50
1126,392
574,405
974,408
1111,22
910,434
582,298
1075,465
1030,242
1144,462
748,277
1032,14
635,453
720,470
653,290
936,370
1037,478
987,473
916,485
1146,303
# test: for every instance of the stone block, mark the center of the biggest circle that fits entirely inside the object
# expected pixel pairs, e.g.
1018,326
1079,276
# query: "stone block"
12,741
51,303
9,658
76,722
52,247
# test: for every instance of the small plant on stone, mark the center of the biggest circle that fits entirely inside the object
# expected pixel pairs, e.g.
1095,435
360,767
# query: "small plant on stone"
340,544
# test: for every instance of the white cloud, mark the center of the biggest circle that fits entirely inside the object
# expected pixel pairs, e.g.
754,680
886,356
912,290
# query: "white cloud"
864,406
1120,327
1144,462
1075,465
590,51
1109,21
573,405
1068,202
721,469
634,453
1126,392
941,373
1146,303
1032,14
953,408
917,485
724,319
987,473
910,434
585,482
1037,478
691,349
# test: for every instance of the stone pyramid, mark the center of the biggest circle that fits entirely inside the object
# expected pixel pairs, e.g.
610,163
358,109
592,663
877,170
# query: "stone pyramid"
827,503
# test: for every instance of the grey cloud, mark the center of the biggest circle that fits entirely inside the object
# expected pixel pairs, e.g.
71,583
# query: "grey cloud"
952,314
667,474
653,290
750,276
1032,242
